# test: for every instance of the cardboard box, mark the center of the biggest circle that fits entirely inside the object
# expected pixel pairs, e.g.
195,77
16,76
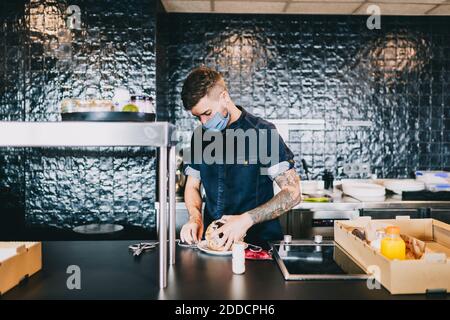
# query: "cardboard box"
18,260
406,276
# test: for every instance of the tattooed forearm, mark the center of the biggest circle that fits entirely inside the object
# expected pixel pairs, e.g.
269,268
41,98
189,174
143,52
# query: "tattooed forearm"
286,199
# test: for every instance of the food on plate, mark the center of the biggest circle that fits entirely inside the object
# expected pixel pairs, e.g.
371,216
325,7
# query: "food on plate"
215,243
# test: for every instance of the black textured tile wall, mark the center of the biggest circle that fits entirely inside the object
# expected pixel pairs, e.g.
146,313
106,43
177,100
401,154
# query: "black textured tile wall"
279,67
115,47
331,68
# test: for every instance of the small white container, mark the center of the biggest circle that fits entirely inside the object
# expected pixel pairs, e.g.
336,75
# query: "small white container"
238,263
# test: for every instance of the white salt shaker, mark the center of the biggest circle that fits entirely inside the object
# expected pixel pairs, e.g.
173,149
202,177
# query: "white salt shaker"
238,258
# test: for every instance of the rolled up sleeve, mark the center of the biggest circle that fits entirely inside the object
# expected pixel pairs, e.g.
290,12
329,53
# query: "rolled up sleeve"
285,160
190,171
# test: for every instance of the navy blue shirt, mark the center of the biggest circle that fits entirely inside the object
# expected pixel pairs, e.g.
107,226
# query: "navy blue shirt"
247,182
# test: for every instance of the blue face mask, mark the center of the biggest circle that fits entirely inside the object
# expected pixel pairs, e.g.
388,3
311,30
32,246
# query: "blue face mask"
217,122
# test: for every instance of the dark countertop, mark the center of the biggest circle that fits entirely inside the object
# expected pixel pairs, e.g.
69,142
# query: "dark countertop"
109,271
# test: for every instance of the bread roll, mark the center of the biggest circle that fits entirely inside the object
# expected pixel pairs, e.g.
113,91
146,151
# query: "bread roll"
214,243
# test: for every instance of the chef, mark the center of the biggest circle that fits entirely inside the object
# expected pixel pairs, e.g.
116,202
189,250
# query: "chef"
238,178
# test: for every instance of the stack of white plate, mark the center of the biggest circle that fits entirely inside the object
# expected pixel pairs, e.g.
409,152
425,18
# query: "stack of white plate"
364,191
434,180
400,185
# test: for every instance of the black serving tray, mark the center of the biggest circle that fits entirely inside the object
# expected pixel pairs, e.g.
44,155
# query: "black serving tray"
426,195
109,116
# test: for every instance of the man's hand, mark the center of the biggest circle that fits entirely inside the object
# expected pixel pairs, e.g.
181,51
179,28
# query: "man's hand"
192,231
234,229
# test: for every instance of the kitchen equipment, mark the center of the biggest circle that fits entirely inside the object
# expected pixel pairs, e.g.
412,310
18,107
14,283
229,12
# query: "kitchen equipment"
305,224
308,260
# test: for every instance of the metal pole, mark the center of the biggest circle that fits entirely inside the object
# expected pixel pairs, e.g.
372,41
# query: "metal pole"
162,217
172,205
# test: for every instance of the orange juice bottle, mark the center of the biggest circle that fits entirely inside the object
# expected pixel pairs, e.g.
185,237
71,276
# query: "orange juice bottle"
392,245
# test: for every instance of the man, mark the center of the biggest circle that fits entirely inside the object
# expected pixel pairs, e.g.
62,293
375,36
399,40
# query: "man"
239,193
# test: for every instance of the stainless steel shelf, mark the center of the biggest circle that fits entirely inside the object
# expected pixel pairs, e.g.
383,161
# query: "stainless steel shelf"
112,134
86,134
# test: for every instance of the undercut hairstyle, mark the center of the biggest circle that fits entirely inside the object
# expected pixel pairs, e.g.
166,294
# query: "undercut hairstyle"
198,84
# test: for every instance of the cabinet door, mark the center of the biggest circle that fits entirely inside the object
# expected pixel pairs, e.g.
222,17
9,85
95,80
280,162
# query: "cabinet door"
441,214
392,213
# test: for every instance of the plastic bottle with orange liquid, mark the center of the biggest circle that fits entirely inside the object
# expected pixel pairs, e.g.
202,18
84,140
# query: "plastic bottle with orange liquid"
392,245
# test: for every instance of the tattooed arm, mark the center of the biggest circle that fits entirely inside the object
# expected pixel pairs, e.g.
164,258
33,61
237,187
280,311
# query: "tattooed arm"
286,199
290,195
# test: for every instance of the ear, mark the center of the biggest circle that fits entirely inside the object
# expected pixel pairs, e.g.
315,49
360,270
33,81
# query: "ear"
225,96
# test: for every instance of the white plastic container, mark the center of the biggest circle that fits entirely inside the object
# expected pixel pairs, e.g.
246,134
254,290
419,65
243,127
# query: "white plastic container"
238,263
433,177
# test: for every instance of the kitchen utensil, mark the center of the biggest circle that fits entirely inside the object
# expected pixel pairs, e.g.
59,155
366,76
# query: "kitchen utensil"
140,247
308,260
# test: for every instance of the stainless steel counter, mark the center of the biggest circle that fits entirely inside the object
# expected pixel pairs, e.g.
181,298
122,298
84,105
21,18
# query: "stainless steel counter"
347,203
390,202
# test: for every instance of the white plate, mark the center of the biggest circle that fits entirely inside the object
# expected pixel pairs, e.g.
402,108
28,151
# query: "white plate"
203,246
